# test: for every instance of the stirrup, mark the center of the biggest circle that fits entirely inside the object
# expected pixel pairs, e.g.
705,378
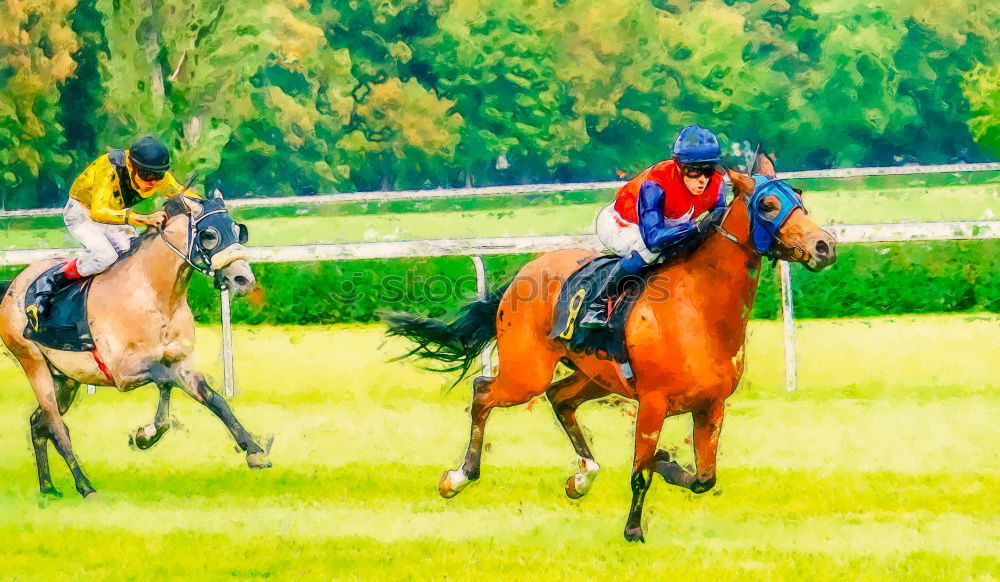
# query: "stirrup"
595,319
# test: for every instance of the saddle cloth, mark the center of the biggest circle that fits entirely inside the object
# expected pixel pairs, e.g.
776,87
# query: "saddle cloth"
576,295
66,327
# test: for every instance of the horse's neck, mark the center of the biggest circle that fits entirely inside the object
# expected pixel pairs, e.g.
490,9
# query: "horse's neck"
158,268
728,270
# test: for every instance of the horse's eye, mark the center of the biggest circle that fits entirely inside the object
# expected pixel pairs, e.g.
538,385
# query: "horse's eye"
769,207
209,239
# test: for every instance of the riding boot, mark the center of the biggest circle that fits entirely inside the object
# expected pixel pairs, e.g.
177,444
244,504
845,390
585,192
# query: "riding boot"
597,313
47,289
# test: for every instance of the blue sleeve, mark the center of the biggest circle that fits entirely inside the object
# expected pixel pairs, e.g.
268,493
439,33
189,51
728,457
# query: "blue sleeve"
720,202
657,236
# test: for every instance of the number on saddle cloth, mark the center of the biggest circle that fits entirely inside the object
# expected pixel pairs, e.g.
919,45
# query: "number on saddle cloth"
577,293
65,327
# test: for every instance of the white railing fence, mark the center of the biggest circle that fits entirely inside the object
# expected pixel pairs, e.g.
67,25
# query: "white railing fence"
528,189
476,248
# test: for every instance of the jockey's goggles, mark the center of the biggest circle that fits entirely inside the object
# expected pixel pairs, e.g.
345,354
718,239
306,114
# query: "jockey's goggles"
148,175
698,170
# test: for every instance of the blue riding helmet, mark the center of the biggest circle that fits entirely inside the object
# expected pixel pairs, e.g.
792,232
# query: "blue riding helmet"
764,232
697,145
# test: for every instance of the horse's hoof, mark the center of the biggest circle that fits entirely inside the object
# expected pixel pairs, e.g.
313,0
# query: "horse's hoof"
452,483
88,494
145,437
634,534
258,461
578,485
51,492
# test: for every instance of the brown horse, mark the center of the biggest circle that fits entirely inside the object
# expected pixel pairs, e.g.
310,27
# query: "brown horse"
142,328
685,337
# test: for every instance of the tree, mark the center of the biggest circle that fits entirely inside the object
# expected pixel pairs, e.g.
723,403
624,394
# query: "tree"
258,84
497,61
36,48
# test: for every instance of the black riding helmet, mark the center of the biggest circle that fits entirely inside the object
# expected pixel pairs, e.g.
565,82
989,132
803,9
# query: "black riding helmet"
150,158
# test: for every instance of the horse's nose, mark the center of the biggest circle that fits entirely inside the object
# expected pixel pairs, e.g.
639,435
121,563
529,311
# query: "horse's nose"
825,250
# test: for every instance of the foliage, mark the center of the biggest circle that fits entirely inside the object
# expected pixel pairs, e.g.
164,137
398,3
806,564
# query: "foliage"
284,97
36,59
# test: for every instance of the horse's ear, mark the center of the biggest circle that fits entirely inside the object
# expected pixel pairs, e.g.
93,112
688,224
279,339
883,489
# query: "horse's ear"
741,183
765,166
193,207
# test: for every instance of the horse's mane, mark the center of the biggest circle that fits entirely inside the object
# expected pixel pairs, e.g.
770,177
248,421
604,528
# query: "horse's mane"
173,207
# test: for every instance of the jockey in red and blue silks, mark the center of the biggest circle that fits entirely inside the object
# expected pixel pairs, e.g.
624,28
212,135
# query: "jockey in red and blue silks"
654,213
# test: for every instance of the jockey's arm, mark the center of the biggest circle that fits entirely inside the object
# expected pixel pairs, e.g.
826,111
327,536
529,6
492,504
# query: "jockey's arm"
102,200
658,233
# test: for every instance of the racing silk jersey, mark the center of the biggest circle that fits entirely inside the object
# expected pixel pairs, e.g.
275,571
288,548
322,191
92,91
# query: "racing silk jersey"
661,205
106,190
677,200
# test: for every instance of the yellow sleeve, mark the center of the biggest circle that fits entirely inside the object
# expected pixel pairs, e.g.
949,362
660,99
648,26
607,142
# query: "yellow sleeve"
102,199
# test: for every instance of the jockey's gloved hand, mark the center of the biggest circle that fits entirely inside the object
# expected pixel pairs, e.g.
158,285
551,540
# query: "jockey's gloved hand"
156,219
710,220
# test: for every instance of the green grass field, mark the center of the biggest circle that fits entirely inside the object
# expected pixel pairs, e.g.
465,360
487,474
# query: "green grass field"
883,465
540,215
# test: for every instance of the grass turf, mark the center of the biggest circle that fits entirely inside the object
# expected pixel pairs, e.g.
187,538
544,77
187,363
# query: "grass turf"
883,465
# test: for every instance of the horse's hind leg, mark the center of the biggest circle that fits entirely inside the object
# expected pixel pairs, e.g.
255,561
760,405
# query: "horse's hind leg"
526,368
566,396
55,395
195,385
147,436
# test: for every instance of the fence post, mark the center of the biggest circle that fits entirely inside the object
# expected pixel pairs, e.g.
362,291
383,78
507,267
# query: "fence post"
788,319
481,291
228,374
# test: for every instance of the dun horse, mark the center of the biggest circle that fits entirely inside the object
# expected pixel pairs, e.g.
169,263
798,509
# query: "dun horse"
686,350
142,328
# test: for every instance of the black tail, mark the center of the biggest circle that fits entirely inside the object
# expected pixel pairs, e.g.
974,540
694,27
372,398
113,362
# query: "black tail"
458,343
4,285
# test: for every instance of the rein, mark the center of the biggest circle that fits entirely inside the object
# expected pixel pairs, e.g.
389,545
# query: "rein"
205,268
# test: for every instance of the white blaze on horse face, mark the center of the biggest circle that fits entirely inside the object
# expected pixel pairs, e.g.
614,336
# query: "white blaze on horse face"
229,255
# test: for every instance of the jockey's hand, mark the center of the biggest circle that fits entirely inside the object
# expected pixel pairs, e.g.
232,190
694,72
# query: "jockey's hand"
157,219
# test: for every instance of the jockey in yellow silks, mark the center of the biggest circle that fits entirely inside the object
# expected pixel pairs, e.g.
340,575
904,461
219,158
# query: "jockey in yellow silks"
99,211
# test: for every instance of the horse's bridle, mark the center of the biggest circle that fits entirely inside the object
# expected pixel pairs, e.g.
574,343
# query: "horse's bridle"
763,232
205,265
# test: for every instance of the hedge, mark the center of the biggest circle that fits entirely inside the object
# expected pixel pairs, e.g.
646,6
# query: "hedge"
867,280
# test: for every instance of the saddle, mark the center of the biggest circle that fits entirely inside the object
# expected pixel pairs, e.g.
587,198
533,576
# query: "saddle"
584,285
65,328
577,293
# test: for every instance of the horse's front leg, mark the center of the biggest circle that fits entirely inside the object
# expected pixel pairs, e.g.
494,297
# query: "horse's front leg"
147,436
194,384
707,428
649,421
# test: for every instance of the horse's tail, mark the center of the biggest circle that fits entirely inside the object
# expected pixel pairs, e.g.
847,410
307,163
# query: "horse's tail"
4,285
459,342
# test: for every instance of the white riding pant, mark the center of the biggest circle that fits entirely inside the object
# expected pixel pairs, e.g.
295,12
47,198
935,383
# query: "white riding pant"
103,242
621,237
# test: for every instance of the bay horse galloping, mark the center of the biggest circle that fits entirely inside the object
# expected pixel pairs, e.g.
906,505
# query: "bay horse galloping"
142,330
685,340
